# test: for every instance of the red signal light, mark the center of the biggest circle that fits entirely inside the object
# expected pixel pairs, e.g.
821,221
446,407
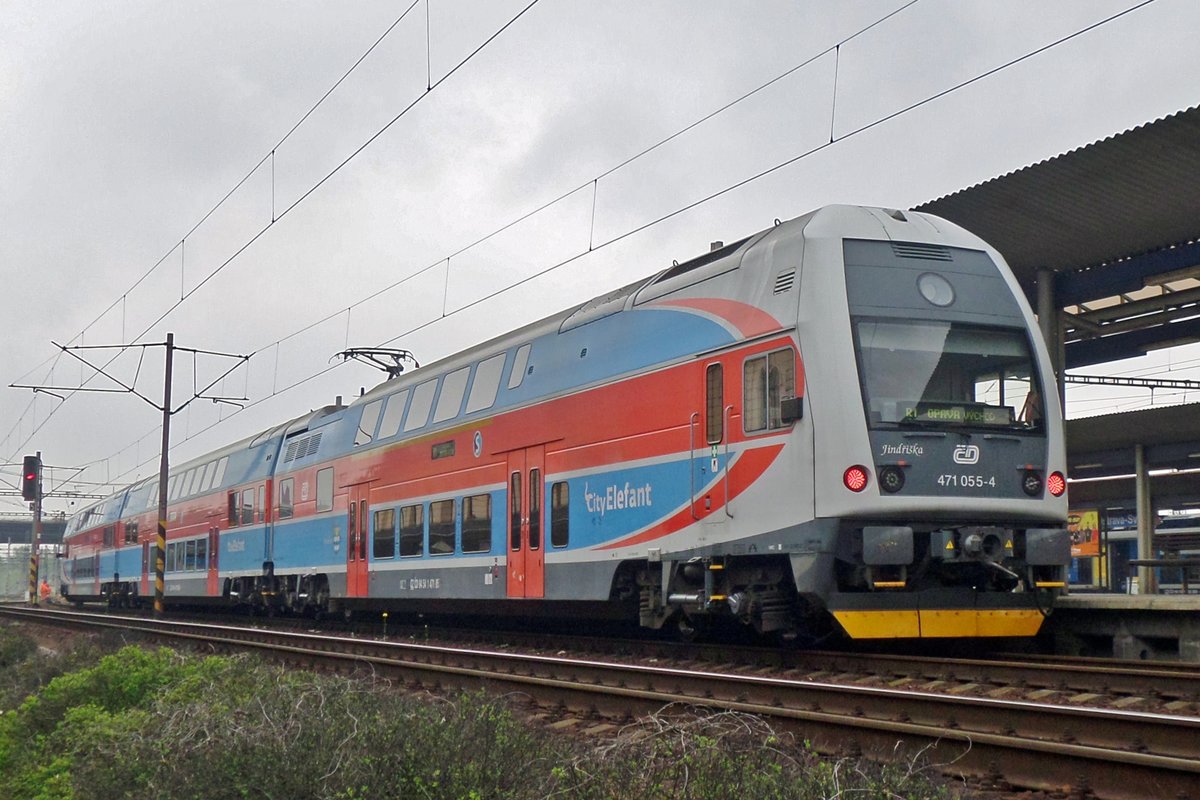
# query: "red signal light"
31,469
855,478
1056,484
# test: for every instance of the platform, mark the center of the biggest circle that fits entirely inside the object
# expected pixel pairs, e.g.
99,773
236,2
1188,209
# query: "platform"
1136,626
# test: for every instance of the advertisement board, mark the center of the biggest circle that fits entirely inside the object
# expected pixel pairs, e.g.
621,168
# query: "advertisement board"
1085,533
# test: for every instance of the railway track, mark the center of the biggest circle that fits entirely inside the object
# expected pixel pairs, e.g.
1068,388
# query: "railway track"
1172,687
1115,753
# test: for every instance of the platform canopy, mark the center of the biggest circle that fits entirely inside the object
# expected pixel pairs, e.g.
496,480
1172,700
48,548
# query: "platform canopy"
1104,446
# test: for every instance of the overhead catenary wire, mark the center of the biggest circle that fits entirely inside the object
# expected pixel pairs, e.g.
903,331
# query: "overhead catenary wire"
301,199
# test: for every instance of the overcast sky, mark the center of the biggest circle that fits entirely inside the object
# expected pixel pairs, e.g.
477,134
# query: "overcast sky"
123,124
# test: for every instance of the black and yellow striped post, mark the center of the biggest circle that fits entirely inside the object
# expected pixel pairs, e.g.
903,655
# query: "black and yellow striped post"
36,535
33,575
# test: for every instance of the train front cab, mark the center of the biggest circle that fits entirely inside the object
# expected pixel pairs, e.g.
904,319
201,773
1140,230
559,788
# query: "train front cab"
944,500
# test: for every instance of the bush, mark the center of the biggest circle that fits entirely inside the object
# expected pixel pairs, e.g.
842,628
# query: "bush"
31,668
142,723
687,755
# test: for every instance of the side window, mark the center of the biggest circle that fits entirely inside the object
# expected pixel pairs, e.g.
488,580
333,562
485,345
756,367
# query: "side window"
477,524
247,516
201,554
560,516
450,400
781,384
412,531
173,487
441,528
518,370
209,470
131,532
325,489
766,381
514,505
422,401
366,424
392,414
754,394
714,404
286,489
487,381
385,534
535,509
262,503
219,475
110,535
233,510
189,555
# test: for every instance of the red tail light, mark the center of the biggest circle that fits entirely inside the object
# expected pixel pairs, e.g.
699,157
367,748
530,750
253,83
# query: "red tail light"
856,478
1056,484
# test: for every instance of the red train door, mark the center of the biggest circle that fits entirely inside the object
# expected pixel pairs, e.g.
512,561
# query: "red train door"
214,545
356,541
526,545
147,568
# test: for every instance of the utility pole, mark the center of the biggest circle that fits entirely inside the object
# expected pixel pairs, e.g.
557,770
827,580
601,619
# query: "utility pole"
160,544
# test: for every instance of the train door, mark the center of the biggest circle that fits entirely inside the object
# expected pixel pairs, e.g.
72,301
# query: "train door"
214,546
356,541
147,568
526,559
710,442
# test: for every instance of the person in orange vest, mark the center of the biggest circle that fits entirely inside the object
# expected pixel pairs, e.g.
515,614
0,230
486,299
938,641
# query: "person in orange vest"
45,589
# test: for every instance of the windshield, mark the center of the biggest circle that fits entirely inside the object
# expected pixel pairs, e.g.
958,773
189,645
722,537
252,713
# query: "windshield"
946,374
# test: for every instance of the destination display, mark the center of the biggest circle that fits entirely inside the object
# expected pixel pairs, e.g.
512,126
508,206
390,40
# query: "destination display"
958,414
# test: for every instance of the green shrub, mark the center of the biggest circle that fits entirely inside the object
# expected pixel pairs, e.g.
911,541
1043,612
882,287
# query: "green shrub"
32,668
152,723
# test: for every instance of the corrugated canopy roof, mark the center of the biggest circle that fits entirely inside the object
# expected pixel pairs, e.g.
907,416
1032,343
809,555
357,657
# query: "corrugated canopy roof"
1129,194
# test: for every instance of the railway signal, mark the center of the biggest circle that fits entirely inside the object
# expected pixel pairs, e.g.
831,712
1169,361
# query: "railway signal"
31,472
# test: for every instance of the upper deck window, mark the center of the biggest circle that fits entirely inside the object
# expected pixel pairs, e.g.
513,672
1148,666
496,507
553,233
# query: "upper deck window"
393,414
366,424
207,481
518,370
219,475
946,374
422,402
450,400
487,381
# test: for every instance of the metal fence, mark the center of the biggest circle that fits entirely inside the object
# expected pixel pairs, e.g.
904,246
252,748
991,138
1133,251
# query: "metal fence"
14,570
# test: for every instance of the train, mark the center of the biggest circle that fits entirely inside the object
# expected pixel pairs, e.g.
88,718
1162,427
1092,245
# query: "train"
836,424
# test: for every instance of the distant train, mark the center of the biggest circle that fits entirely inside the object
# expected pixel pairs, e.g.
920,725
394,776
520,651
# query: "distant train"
835,419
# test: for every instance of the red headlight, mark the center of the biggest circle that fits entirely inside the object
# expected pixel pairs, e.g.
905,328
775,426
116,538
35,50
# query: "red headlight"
855,478
1056,484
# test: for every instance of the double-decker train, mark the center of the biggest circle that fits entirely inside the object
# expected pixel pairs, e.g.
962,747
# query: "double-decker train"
838,419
